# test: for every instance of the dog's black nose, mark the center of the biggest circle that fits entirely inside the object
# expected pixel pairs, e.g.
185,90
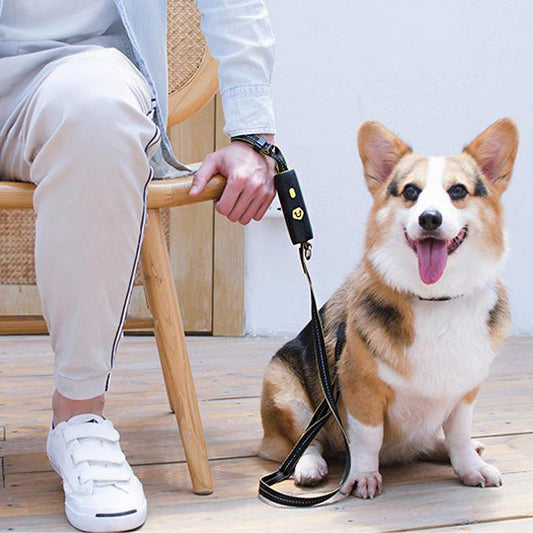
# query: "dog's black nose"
430,219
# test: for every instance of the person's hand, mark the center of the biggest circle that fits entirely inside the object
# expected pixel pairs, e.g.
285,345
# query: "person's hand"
249,188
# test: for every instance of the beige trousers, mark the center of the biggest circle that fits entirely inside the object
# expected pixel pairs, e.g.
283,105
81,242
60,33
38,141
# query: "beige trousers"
82,132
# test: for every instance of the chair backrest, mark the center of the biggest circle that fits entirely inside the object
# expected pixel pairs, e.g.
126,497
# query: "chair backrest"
192,72
192,83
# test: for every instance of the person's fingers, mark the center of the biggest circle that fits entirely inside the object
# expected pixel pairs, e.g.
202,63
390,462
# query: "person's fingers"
260,213
251,194
202,176
252,209
258,207
234,187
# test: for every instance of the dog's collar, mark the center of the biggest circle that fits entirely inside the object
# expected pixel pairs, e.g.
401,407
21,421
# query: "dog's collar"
439,299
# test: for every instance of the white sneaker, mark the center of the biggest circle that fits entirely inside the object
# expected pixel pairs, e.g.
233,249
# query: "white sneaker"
102,494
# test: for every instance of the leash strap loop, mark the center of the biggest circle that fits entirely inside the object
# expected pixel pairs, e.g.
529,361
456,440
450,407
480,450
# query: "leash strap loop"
262,146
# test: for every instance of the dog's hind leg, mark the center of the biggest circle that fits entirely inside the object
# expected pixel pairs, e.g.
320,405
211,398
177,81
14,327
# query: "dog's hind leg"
312,468
285,412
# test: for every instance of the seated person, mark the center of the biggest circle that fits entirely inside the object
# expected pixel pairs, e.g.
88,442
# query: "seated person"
83,109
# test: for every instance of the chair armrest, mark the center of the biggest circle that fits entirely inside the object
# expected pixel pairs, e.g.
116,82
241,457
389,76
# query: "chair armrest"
161,193
16,195
174,192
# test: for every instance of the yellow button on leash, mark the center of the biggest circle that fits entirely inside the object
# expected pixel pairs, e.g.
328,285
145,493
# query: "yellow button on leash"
298,213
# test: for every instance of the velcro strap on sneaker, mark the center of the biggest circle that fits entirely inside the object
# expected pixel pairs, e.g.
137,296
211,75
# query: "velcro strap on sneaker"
98,454
103,474
95,431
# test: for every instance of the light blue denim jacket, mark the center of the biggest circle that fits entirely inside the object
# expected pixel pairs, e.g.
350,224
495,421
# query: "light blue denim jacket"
239,36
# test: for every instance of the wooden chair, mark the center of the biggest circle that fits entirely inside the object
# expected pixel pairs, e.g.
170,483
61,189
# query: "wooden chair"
192,83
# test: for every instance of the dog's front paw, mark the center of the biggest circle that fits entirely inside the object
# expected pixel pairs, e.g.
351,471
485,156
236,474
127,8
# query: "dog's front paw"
365,485
310,470
482,475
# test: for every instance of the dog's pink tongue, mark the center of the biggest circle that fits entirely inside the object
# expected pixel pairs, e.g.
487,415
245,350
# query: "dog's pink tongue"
432,257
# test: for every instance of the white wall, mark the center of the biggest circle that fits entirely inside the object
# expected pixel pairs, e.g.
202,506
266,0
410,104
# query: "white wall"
435,72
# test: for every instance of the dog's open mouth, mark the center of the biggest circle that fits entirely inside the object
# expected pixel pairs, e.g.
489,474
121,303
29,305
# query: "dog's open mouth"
433,254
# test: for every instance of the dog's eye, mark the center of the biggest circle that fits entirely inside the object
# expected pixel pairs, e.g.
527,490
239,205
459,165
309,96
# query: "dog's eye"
457,192
411,192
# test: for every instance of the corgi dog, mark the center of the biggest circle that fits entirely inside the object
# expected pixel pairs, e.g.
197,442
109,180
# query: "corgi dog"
425,314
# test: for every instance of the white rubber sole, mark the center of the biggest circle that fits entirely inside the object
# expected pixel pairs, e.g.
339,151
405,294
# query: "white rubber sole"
107,524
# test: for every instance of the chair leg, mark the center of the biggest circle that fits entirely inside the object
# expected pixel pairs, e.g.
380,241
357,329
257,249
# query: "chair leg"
163,303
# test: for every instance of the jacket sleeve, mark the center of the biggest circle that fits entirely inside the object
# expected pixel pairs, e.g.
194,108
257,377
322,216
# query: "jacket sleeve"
239,36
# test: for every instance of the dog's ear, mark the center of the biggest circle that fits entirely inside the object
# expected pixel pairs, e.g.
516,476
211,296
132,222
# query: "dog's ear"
494,150
380,151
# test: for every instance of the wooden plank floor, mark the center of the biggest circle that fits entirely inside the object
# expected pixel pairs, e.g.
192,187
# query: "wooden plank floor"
417,497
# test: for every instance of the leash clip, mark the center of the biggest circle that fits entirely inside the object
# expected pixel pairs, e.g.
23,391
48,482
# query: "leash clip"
308,250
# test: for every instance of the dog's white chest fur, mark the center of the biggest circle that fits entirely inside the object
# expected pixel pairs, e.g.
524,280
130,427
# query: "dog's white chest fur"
450,356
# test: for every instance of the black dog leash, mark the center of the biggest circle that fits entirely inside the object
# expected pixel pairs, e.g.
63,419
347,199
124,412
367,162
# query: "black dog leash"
300,231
